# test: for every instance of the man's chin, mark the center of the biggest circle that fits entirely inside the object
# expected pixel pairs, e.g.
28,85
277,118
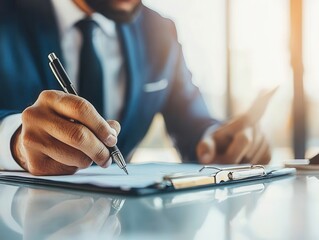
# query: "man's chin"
119,16
115,13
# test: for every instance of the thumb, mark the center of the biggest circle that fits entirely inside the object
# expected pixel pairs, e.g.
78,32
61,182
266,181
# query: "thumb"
206,150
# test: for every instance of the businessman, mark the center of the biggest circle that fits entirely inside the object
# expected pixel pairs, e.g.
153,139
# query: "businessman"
127,65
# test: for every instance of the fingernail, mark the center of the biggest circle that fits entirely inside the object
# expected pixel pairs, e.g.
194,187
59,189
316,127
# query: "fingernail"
111,141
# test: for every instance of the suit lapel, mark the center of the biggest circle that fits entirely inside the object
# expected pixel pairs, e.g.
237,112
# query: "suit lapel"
133,56
43,36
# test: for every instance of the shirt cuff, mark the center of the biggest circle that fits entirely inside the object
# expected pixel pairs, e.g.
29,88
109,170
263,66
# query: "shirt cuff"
8,126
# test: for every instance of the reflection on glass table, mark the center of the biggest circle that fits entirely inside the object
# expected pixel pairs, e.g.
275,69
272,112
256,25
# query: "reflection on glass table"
38,213
53,214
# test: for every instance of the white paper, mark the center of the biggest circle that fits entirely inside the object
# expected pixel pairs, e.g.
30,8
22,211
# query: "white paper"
140,175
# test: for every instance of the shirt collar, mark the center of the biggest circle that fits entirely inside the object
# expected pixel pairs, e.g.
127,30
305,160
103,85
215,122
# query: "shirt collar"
68,14
108,26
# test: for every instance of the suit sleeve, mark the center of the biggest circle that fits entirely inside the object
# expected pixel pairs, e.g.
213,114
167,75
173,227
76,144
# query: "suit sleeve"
185,112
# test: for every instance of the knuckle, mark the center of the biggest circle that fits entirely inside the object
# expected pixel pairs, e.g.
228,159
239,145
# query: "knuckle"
33,114
47,94
77,135
28,114
80,107
101,155
102,130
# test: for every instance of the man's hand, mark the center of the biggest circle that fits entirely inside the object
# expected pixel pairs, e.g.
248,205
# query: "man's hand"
62,133
238,141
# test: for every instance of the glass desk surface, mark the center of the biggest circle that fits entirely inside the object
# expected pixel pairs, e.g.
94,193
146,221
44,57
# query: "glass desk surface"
284,208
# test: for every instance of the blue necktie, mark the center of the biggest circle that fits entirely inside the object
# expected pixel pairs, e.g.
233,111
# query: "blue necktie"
90,69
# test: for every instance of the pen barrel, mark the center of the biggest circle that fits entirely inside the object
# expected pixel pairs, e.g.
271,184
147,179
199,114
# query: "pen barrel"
56,65
60,74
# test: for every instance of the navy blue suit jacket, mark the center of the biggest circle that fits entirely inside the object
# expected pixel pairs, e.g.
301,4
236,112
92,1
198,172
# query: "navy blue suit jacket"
28,33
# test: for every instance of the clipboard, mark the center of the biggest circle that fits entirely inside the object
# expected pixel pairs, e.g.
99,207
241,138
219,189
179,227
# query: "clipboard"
221,176
191,176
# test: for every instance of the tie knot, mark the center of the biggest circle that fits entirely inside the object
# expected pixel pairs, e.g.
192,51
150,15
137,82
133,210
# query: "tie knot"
86,26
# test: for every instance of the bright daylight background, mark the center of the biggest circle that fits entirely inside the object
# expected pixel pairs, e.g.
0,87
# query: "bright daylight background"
259,58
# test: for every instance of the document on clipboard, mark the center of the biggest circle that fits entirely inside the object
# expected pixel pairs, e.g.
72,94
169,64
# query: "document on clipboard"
150,178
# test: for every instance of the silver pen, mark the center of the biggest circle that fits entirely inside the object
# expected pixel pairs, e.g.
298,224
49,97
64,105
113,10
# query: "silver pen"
64,80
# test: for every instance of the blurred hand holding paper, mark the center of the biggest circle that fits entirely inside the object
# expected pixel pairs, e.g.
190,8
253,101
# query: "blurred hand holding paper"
225,133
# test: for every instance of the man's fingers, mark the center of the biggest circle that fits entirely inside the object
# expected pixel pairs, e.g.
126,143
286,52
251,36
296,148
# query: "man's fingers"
259,151
236,150
79,137
262,156
224,134
49,143
257,139
65,154
40,165
265,158
77,108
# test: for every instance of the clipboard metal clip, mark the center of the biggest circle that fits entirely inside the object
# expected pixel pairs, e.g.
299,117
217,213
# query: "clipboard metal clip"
220,175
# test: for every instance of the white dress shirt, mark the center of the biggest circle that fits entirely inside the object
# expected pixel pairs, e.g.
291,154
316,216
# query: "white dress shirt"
110,53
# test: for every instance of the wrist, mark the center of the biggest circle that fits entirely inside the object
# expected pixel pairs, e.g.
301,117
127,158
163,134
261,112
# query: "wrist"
15,144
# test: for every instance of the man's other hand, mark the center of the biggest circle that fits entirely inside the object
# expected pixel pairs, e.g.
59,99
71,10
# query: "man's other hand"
245,146
239,140
61,133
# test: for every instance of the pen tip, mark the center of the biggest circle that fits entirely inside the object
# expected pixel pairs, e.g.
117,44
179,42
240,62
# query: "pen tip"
125,171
